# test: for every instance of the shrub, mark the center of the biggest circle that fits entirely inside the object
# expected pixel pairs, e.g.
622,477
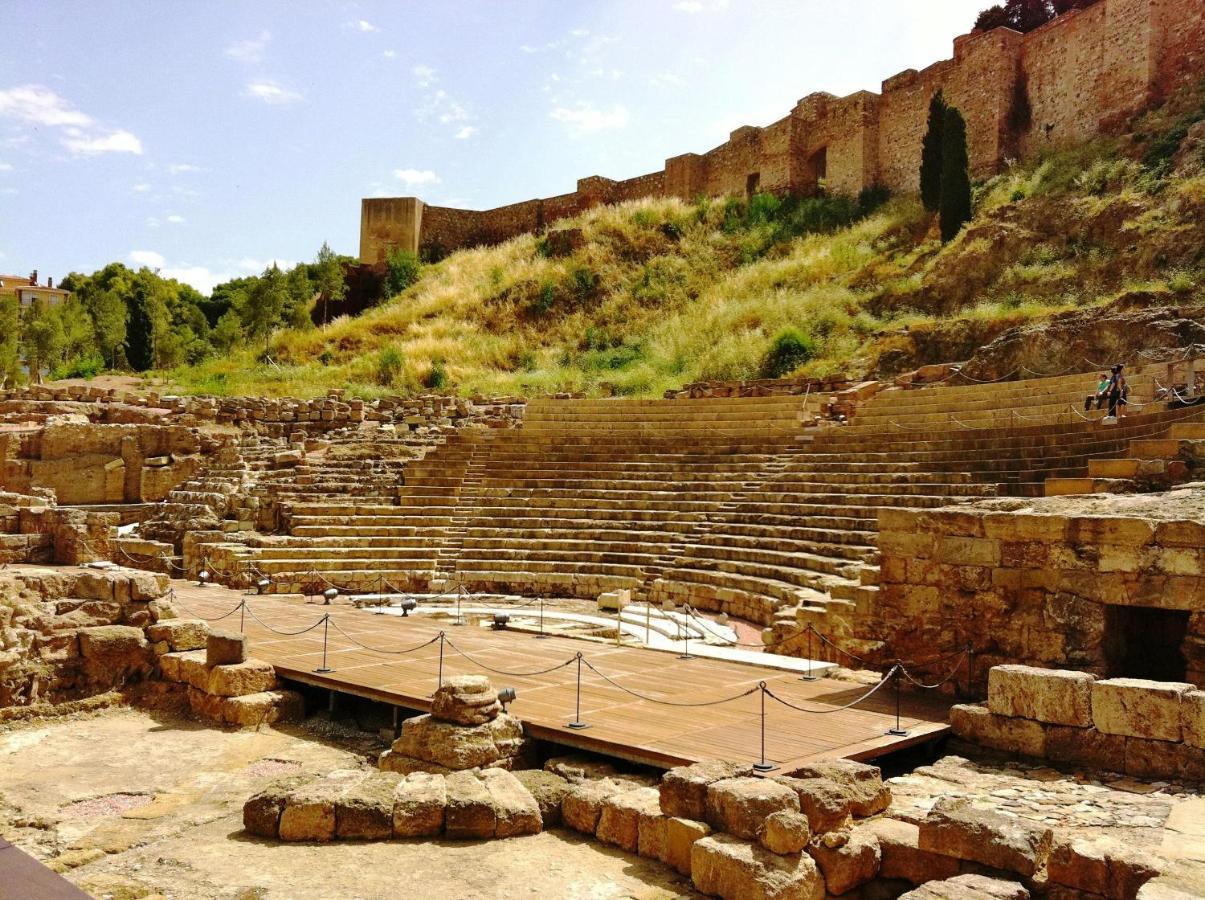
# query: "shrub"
389,366
326,357
1017,195
584,281
403,271
1180,283
80,367
789,350
545,300
871,198
437,376
763,209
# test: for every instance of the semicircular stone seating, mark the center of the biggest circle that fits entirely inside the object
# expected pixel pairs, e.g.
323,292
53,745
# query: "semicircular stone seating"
726,504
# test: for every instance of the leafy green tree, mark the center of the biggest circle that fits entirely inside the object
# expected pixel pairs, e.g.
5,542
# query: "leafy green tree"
109,314
955,175
301,296
930,154
789,350
10,346
329,281
228,333
41,339
264,305
148,319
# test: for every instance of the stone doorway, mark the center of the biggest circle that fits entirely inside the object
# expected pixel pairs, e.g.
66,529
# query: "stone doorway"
752,183
815,172
1140,642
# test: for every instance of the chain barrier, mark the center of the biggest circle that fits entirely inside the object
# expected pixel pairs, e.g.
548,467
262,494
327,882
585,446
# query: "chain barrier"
488,668
835,709
251,613
937,684
360,643
611,681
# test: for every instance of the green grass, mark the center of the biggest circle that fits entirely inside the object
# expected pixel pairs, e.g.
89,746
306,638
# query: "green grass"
664,292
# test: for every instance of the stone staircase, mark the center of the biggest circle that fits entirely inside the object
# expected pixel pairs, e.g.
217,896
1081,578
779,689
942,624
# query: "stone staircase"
726,504
1175,456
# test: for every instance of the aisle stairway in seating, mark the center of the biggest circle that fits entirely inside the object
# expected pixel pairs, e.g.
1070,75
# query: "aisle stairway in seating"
726,504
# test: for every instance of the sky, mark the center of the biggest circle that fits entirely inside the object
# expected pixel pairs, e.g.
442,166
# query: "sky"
209,139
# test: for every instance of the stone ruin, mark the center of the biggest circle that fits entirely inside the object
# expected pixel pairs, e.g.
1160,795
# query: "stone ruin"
465,729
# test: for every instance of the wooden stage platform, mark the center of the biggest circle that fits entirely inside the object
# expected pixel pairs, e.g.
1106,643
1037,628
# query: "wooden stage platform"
620,724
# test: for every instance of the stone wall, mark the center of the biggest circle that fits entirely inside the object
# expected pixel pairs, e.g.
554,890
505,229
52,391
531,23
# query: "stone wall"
1081,75
1147,729
1070,582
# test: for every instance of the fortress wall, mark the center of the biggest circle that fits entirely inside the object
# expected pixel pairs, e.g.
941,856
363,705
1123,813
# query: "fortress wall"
1088,71
1081,75
1180,39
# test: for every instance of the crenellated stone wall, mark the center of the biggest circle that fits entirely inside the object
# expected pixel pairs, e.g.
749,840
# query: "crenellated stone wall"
1081,75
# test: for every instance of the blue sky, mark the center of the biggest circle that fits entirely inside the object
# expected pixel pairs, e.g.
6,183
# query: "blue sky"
209,138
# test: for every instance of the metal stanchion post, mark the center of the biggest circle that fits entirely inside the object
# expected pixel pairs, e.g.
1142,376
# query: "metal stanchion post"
542,634
685,626
763,766
459,592
810,676
242,611
648,620
577,724
326,623
898,730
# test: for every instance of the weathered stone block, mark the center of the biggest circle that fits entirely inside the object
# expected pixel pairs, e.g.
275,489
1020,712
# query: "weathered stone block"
171,665
969,887
263,708
225,648
861,784
418,805
460,746
684,789
469,813
113,654
180,634
1054,696
548,789
850,864
785,832
1139,708
261,813
1192,718
1086,747
822,801
309,813
240,679
582,806
619,819
739,805
737,870
903,859
365,812
954,828
680,837
981,726
515,810
466,700
1103,867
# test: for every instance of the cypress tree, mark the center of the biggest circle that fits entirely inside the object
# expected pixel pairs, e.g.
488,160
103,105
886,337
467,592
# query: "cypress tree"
955,175
140,330
930,154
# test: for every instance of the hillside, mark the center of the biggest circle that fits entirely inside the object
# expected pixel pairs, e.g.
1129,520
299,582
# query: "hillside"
637,298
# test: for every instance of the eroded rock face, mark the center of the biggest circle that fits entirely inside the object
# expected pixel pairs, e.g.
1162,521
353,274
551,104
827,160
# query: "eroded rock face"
821,800
1101,867
684,789
785,832
1135,707
621,815
548,789
850,863
861,784
1053,696
969,887
418,805
113,654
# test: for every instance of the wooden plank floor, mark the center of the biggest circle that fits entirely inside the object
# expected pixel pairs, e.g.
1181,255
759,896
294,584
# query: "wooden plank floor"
621,724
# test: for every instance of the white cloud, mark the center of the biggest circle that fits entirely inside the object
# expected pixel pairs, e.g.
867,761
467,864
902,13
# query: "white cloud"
199,277
152,222
120,141
6,167
425,75
35,105
39,105
363,25
148,258
180,168
697,6
667,79
9,191
465,132
250,51
271,92
528,48
415,177
389,54
175,219
249,264
142,187
584,118
580,32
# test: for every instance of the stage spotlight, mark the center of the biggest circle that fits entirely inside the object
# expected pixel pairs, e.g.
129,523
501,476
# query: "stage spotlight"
406,605
330,594
203,578
261,586
505,696
501,620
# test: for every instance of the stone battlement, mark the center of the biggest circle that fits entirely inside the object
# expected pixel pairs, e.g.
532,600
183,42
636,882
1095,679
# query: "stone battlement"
1081,75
